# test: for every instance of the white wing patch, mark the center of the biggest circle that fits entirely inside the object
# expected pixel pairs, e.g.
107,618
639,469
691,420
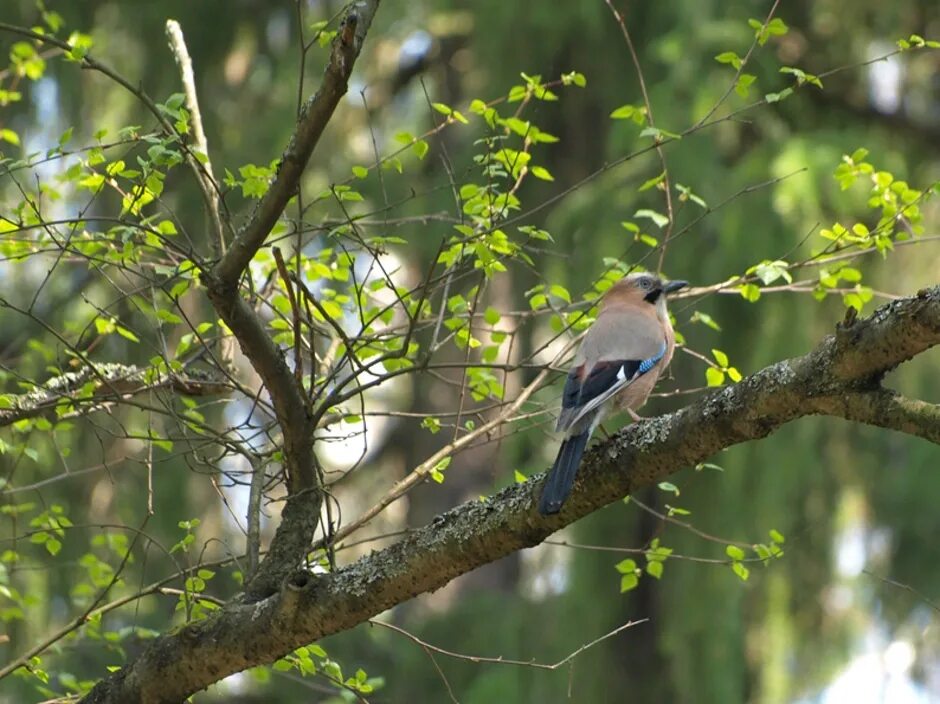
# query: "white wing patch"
595,403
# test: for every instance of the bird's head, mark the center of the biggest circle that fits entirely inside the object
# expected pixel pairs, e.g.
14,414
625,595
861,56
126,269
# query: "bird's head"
641,287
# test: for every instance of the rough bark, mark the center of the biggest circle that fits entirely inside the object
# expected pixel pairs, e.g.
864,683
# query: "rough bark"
840,377
301,512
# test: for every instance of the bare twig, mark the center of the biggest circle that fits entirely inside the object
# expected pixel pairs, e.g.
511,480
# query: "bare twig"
205,176
667,186
506,661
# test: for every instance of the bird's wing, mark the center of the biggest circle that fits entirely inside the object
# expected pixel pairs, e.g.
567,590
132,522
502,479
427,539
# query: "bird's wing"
620,347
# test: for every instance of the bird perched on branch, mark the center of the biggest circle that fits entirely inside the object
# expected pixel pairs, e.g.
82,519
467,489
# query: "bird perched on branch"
618,363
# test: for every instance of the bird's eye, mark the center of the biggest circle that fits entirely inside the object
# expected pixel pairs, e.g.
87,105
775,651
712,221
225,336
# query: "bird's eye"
646,283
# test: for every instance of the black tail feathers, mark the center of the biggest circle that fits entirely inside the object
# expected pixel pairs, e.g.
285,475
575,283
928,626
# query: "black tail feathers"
561,478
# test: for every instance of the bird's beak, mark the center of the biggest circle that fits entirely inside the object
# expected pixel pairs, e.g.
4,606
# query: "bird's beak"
671,286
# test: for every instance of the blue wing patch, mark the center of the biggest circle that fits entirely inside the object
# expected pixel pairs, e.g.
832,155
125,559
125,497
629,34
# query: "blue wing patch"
603,377
648,364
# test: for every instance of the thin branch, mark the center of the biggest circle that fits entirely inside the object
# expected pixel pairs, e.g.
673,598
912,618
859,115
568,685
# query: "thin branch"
205,176
253,518
740,69
506,661
667,236
315,115
80,620
905,587
88,62
421,472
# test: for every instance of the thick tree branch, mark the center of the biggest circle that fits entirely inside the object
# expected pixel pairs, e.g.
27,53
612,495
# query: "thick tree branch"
886,409
301,512
840,377
112,382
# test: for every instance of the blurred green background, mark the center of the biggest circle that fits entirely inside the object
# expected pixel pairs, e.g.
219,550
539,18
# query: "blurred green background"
855,504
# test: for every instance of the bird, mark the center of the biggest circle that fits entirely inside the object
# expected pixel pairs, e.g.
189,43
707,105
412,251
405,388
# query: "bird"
618,363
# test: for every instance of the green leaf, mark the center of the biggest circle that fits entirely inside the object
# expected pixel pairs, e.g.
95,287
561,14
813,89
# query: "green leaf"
740,570
714,376
777,97
853,300
705,319
628,582
743,85
850,274
750,292
859,155
517,93
8,135
777,536
659,135
542,173
669,486
685,193
624,112
654,569
560,292
650,183
437,472
777,26
127,334
769,271
574,78
729,57
420,148
467,191
519,477
734,552
721,358
762,32
802,76
627,566
658,218
360,171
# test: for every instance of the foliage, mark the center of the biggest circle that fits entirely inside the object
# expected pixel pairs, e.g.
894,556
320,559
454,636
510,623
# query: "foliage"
415,279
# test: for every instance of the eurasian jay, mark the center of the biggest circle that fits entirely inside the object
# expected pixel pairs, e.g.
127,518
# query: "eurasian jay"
618,363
